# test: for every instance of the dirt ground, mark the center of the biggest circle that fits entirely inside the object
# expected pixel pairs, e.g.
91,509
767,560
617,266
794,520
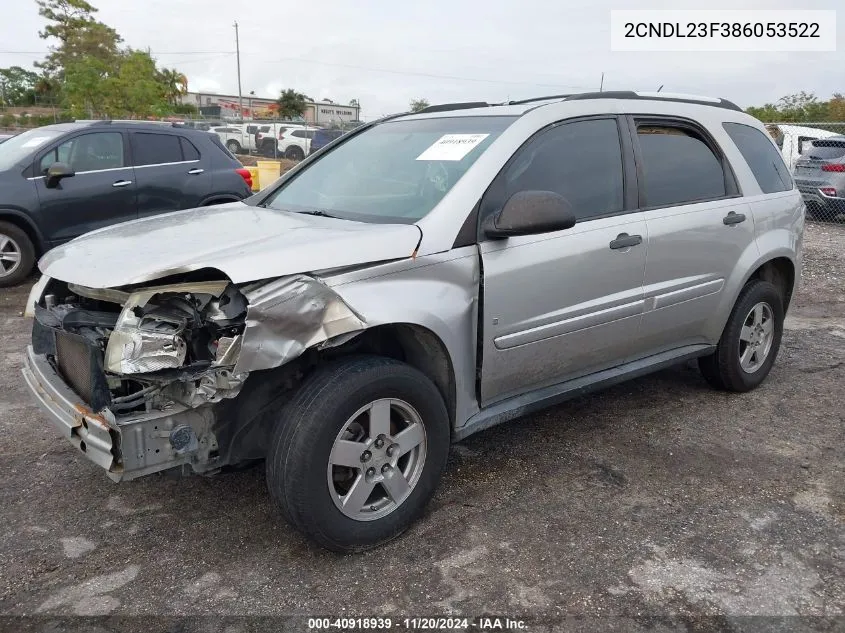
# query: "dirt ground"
658,500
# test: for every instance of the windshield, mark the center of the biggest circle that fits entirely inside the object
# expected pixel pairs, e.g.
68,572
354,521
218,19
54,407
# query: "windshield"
395,172
20,146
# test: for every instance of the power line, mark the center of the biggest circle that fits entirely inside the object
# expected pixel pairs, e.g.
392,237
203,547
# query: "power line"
391,71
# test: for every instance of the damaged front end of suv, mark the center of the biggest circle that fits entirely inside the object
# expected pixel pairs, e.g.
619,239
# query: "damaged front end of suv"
138,377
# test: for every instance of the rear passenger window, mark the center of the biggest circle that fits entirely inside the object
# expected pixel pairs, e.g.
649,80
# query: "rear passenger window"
154,149
678,166
582,161
189,151
763,159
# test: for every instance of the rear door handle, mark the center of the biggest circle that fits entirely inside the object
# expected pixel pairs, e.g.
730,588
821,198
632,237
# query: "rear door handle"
623,240
193,172
122,183
733,218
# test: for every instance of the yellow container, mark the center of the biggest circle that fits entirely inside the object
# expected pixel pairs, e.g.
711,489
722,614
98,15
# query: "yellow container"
254,173
268,172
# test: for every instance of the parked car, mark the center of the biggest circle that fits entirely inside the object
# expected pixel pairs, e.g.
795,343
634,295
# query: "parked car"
236,139
268,135
820,176
794,140
338,324
60,181
323,137
295,142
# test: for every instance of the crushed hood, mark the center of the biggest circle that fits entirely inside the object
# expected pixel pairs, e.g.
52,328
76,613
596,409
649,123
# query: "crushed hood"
246,243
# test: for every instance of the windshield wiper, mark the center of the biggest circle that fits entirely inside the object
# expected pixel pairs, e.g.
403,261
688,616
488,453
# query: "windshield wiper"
318,212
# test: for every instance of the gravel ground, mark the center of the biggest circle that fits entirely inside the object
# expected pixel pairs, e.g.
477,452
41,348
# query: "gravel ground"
658,500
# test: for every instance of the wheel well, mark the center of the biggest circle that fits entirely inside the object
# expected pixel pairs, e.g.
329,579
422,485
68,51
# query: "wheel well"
779,272
27,228
413,344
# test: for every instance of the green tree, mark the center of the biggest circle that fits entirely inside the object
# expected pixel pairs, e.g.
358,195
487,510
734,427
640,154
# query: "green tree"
17,86
175,84
418,104
136,89
354,103
78,34
291,104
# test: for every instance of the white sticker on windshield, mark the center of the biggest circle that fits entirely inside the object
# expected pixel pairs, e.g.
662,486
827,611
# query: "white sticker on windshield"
452,146
35,142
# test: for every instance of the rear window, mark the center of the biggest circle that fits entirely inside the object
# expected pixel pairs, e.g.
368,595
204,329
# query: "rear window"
763,159
827,149
154,149
679,166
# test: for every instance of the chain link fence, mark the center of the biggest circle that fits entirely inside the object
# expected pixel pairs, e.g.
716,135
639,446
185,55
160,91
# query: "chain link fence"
815,155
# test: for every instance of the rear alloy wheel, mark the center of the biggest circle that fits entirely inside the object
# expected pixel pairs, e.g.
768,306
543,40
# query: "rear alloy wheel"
750,341
233,146
17,255
358,452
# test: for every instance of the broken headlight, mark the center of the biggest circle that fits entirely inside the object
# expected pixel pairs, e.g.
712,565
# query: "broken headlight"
173,326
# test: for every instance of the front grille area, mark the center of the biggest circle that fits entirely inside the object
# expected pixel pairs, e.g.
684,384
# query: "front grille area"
80,364
74,362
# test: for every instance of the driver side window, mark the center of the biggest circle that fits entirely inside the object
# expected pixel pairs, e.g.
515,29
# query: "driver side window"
89,152
581,161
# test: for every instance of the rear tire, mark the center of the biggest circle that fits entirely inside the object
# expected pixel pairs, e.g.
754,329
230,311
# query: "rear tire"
17,255
750,341
294,152
398,420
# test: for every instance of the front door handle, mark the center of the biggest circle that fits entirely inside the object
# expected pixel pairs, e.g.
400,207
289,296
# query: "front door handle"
122,183
623,240
193,172
733,218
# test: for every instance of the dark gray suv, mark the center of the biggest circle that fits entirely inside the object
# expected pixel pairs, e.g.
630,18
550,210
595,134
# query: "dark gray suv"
60,181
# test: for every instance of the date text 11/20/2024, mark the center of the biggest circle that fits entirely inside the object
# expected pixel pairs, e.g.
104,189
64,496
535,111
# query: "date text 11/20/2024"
483,623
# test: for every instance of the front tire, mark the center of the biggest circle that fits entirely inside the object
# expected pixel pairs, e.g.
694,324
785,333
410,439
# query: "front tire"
233,146
17,255
750,341
358,452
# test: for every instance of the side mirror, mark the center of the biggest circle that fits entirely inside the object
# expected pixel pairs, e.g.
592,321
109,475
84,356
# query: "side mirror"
529,213
56,172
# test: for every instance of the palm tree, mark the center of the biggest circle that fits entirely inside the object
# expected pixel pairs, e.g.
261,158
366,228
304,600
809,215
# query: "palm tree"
175,84
291,104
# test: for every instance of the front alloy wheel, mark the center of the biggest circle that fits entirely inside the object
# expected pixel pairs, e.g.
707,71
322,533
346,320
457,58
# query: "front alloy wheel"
358,452
377,459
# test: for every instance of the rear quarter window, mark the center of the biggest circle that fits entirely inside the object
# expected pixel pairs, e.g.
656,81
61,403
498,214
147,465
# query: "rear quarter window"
765,162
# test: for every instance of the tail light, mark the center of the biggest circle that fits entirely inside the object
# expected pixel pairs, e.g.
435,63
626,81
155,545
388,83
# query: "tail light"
830,192
244,173
840,167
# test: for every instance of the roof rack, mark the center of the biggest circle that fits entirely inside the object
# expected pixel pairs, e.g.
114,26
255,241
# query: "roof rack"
133,121
657,96
533,99
444,107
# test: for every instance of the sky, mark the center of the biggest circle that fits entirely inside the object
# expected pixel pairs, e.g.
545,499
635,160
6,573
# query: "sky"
385,53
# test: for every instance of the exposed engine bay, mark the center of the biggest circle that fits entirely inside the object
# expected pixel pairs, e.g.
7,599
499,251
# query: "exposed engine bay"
158,347
151,362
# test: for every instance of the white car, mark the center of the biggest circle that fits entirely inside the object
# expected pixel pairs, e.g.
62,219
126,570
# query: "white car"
794,140
235,137
295,141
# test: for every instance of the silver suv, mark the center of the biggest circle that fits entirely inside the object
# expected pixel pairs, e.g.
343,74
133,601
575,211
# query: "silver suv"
820,176
424,277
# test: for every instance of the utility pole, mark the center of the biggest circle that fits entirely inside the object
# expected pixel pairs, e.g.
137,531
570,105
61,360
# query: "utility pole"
238,54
